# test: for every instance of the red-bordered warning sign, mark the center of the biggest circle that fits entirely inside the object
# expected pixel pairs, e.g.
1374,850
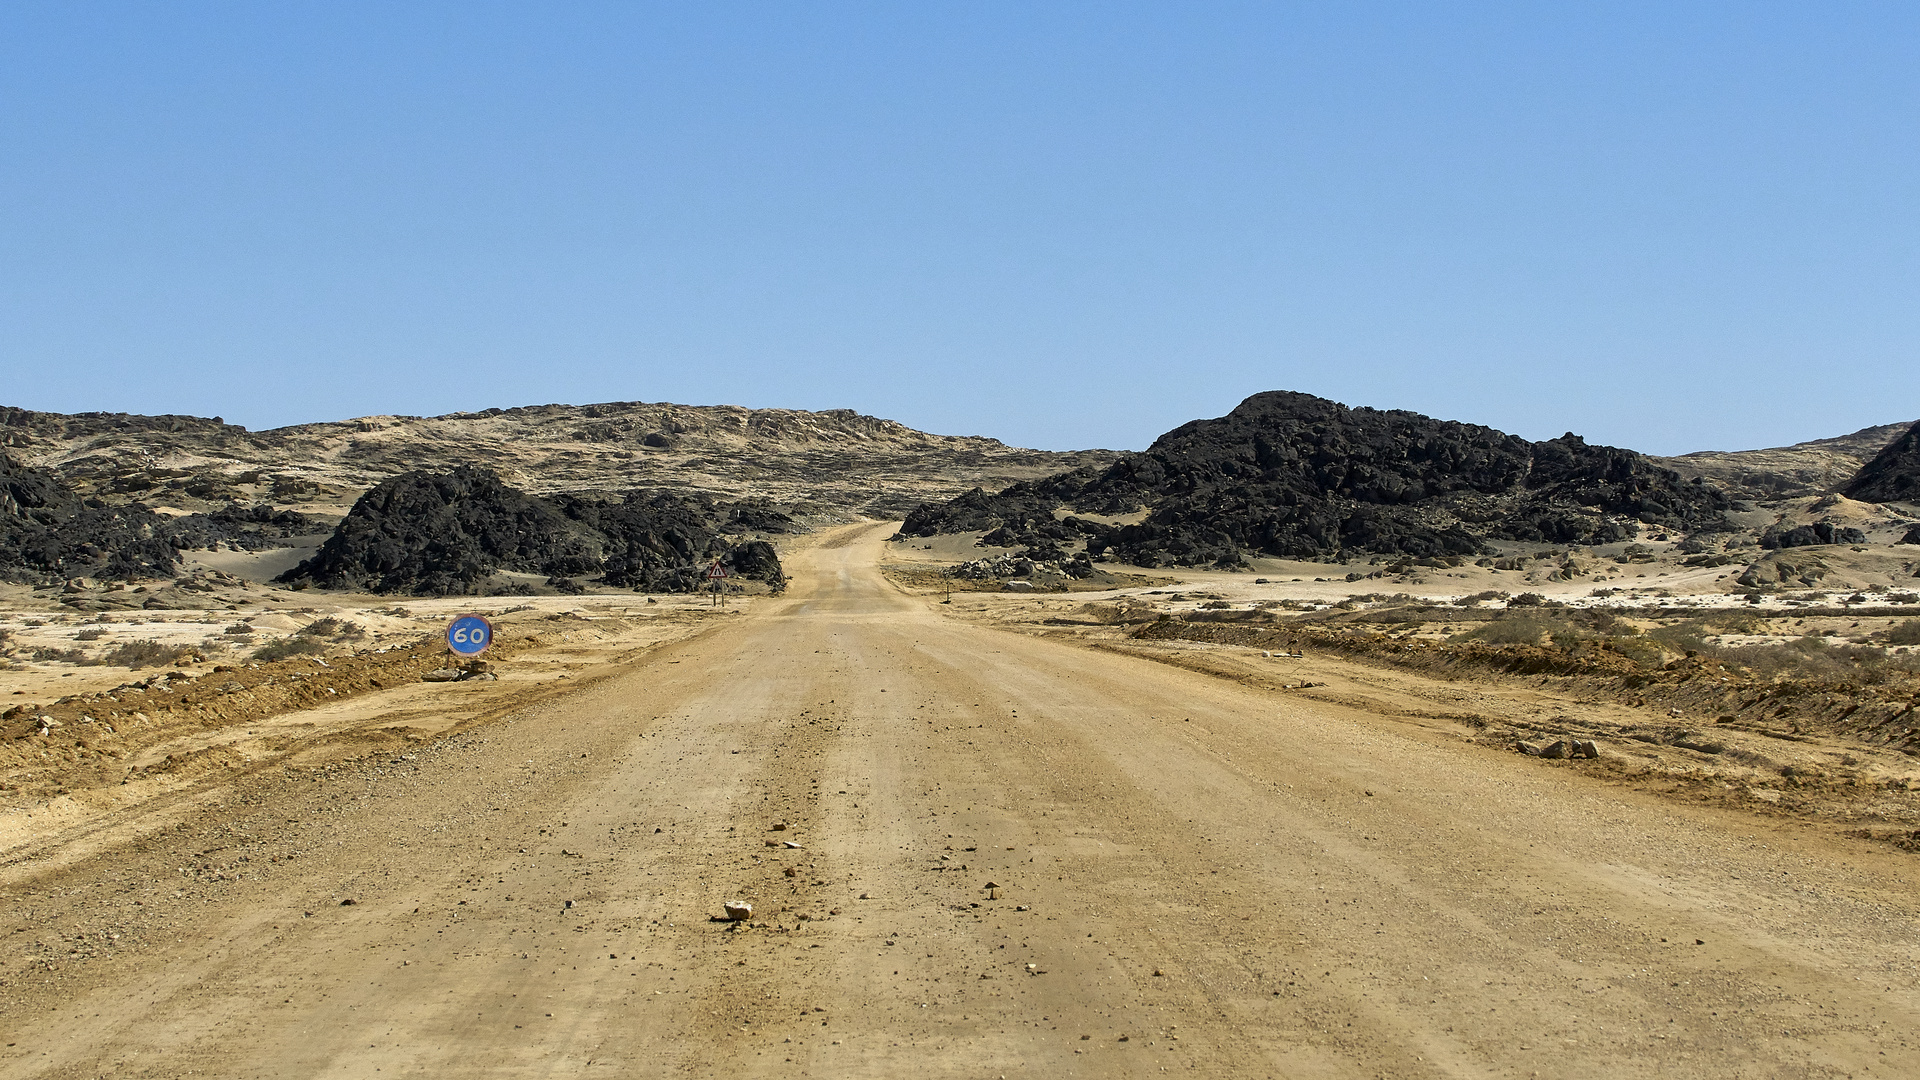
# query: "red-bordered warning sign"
716,571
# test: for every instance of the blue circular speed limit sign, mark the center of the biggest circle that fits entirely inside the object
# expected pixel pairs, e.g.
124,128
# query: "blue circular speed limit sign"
469,635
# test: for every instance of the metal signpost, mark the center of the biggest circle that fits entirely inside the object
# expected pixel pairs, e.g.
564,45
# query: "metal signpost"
716,580
469,635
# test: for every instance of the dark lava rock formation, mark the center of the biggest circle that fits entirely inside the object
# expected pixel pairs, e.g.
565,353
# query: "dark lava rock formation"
1295,476
429,534
1814,535
1893,475
49,533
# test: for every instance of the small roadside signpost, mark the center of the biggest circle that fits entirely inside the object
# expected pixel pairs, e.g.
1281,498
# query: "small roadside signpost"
469,635
717,581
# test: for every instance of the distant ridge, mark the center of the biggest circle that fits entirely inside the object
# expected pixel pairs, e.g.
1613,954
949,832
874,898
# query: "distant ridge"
1815,467
833,464
1893,475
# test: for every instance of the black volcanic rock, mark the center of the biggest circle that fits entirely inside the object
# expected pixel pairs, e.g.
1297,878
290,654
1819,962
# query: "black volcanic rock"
1292,475
1892,476
1820,532
252,528
447,533
48,533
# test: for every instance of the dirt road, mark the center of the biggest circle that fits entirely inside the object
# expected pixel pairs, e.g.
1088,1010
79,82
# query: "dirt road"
1001,857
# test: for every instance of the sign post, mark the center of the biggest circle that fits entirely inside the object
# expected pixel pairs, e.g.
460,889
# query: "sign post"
469,635
716,581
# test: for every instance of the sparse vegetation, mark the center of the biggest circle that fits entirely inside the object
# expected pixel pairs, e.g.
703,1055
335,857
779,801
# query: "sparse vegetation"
297,645
142,654
1514,631
91,633
1906,633
332,629
51,655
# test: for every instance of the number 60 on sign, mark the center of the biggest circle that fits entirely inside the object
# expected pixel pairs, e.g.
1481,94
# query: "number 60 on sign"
469,635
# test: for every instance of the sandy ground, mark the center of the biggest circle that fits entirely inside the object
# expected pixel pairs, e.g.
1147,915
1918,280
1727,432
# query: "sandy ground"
1001,856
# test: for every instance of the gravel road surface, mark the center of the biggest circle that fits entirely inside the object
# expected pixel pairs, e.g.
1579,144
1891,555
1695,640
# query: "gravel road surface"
969,853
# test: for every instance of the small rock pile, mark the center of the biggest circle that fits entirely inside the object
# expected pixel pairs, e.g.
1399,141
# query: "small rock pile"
1022,566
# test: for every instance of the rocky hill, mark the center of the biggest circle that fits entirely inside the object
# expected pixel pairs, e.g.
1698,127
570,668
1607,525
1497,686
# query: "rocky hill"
1804,469
1295,476
49,532
829,465
451,533
1893,475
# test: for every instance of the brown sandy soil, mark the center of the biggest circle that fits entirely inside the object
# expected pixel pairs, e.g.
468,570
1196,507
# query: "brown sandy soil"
1011,856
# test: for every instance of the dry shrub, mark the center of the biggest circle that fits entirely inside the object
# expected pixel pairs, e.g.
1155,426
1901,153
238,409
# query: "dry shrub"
49,654
1516,630
298,645
142,654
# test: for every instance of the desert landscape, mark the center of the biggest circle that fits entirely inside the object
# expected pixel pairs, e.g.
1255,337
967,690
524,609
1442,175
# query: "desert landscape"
1310,741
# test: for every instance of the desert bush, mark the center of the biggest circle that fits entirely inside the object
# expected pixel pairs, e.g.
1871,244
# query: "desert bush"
330,627
142,654
297,645
1513,631
1813,657
49,654
1527,599
91,633
1906,633
238,630
1681,638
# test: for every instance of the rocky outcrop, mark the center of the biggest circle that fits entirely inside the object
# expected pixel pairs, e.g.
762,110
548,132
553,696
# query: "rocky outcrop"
1892,476
1820,532
48,533
449,533
1296,476
250,528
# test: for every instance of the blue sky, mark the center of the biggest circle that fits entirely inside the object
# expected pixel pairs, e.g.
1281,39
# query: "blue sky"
1670,226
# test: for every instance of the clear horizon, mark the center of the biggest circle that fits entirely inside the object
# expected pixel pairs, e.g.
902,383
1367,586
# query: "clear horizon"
1664,227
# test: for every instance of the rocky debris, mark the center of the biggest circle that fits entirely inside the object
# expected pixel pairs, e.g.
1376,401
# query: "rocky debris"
471,671
1912,537
1034,561
448,534
1560,749
1017,586
1294,476
1820,532
1801,568
1002,566
1893,475
737,910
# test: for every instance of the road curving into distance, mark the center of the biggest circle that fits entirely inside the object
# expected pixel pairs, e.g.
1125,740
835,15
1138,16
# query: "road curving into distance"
1002,856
